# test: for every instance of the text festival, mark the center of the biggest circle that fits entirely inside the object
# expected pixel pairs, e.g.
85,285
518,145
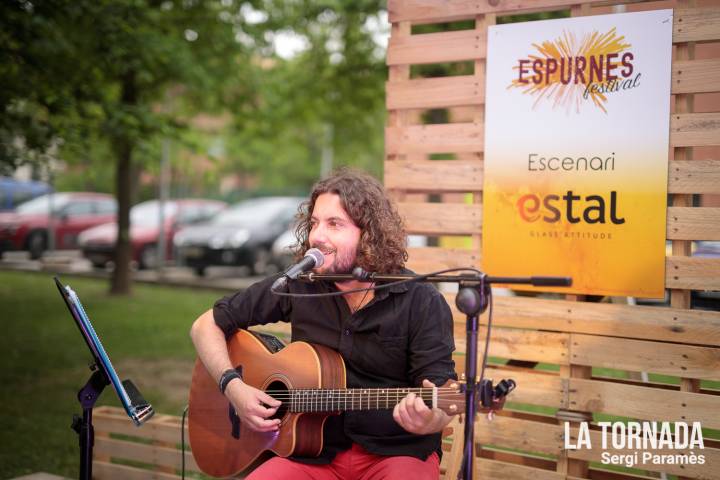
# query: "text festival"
600,74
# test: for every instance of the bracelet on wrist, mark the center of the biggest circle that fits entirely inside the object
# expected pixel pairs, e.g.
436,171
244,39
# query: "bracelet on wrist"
228,376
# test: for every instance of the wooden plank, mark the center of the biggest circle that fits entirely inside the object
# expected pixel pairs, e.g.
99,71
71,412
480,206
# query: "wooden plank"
431,259
693,223
597,474
694,176
696,24
141,452
696,76
535,387
455,46
451,460
684,103
529,345
442,138
519,434
440,11
440,218
695,129
689,24
645,356
113,471
644,403
436,92
119,423
695,273
435,176
486,468
524,459
641,322
705,471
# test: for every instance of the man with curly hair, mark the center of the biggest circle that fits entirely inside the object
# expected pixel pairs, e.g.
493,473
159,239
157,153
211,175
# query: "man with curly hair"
401,336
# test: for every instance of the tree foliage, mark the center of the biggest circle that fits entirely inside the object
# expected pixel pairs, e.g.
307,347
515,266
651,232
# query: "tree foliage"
100,82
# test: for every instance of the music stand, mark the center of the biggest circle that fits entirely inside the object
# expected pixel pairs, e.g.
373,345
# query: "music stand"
103,374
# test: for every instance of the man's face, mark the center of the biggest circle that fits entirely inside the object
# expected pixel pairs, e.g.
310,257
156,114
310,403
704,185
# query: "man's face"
334,234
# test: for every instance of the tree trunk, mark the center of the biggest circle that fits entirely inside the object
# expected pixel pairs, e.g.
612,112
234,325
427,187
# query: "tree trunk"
123,143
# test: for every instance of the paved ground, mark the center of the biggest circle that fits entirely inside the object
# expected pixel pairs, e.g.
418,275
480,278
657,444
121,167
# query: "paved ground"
40,476
71,261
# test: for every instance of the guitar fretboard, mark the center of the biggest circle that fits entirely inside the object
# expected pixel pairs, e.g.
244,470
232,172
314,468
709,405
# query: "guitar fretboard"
329,400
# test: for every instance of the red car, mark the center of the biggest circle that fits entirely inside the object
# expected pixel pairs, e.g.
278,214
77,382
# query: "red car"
98,243
27,228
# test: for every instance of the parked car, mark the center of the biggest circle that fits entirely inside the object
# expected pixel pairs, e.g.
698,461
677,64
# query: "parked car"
28,227
242,235
14,192
282,254
98,243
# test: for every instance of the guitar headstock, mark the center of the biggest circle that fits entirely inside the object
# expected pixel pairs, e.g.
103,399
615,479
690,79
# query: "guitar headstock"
451,396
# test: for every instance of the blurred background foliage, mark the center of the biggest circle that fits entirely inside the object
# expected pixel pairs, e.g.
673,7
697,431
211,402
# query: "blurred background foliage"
244,97
82,80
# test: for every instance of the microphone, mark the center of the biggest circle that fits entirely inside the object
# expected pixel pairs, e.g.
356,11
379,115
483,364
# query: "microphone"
313,258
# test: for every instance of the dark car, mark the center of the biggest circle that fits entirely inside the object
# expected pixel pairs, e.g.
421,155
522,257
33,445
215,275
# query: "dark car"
69,213
242,235
98,243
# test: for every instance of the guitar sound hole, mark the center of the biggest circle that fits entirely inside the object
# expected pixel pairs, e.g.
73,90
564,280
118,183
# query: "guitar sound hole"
279,390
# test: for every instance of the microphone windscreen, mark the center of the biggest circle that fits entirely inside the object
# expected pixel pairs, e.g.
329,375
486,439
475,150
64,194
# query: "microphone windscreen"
317,255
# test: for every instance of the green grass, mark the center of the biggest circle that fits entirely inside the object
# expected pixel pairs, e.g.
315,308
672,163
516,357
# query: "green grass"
44,359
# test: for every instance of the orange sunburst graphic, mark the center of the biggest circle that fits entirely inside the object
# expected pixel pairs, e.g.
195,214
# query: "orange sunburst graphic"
567,71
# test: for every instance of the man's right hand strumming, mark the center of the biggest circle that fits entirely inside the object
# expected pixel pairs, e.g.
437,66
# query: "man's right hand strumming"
251,404
254,407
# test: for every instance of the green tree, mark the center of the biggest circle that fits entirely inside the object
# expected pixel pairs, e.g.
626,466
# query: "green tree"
332,91
100,81
75,71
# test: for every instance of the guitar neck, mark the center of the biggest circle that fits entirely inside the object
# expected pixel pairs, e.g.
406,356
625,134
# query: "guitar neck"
338,400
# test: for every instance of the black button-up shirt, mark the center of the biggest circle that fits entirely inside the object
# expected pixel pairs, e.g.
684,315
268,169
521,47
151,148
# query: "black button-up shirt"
404,335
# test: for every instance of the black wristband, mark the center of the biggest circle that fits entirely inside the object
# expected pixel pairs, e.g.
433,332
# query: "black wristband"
226,377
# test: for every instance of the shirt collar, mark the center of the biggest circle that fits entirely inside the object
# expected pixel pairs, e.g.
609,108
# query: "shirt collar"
400,288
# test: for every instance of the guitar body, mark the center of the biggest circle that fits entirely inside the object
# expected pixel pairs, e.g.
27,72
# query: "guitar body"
221,445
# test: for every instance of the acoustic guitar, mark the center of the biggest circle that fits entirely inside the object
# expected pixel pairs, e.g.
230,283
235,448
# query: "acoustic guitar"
308,379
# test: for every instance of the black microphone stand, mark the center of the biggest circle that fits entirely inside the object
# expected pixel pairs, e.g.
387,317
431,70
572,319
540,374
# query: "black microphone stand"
87,396
472,299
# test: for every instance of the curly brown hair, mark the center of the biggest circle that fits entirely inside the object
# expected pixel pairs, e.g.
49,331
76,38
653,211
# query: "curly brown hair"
382,245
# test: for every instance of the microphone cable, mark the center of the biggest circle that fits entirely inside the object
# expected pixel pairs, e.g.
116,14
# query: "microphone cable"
182,442
377,287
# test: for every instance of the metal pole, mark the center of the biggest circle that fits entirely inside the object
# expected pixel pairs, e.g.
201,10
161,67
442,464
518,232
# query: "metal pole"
51,213
164,196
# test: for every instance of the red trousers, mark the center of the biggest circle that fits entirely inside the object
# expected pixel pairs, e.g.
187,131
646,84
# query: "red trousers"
353,464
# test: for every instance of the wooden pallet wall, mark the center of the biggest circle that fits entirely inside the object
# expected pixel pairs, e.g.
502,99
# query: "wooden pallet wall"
573,360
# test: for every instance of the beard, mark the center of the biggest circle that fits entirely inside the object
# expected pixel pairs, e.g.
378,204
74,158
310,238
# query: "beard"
343,263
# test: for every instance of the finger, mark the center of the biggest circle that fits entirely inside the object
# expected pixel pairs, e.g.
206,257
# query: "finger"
268,400
262,411
406,420
428,384
396,415
420,408
410,403
263,425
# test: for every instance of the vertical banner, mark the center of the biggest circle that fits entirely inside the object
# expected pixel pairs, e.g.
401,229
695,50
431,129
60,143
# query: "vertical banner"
576,151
